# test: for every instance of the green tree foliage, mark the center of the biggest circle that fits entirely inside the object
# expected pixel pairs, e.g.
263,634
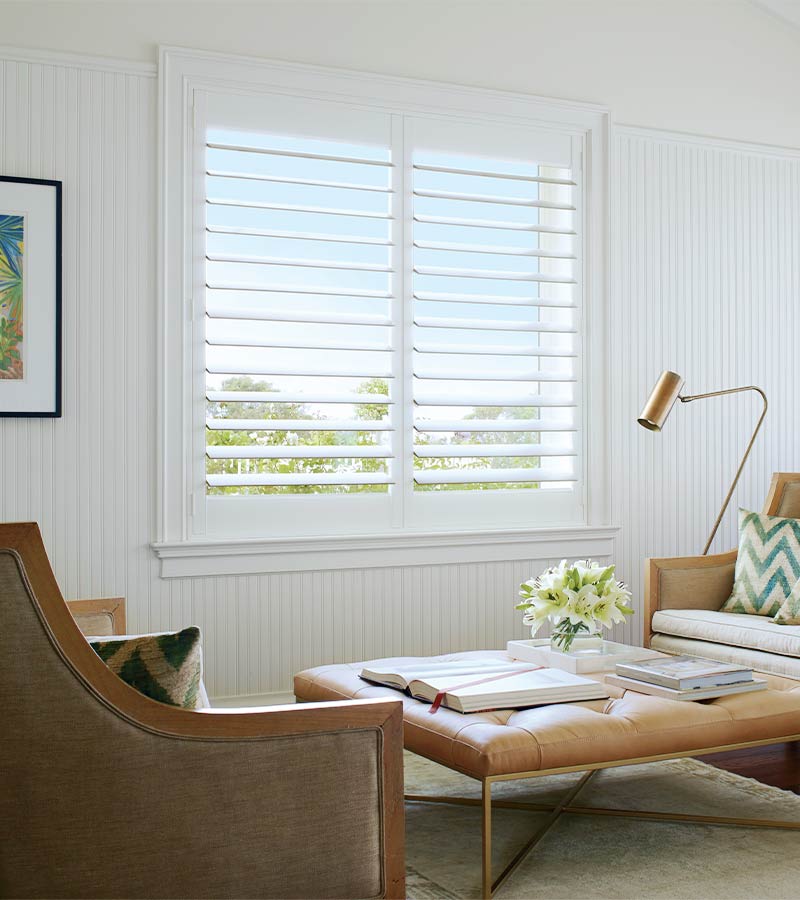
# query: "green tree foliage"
373,411
464,436
369,412
265,409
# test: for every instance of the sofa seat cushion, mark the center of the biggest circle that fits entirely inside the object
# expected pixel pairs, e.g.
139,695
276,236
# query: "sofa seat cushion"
735,629
757,660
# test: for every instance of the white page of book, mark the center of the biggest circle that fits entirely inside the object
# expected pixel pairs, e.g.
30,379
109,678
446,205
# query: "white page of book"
544,680
424,670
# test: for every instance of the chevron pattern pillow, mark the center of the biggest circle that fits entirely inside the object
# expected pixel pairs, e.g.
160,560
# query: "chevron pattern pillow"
165,667
767,565
789,613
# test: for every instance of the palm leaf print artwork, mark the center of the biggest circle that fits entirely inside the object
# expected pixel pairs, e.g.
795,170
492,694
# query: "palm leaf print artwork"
12,247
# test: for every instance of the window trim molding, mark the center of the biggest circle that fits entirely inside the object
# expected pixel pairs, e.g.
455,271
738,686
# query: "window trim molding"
181,559
181,71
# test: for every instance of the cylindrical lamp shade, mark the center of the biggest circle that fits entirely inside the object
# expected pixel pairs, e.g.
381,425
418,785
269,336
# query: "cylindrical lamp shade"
661,400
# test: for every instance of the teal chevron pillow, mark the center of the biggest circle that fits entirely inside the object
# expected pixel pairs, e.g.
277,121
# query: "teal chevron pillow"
165,667
789,613
767,565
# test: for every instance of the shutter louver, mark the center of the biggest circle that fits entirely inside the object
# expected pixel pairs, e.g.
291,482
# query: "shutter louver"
495,292
299,289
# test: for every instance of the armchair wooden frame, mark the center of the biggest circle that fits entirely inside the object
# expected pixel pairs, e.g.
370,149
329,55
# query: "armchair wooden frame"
23,540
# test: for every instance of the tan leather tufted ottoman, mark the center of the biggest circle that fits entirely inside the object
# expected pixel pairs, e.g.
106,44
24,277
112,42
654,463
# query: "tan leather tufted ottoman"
628,728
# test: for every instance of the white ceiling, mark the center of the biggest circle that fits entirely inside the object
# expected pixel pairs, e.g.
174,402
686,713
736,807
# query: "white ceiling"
787,10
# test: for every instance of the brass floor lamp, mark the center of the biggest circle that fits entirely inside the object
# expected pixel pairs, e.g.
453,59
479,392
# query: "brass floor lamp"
659,405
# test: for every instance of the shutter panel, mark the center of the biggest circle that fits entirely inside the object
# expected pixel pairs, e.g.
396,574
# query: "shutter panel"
299,284
495,294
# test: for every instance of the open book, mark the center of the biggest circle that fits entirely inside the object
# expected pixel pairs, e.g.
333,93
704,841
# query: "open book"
471,685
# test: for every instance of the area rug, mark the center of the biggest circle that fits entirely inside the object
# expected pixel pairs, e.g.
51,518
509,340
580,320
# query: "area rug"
593,858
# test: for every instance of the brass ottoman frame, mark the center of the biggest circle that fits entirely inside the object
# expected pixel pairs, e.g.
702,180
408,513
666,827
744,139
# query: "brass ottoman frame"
567,805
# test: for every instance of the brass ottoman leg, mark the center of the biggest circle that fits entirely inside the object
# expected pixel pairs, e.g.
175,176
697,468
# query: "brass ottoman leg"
548,823
486,839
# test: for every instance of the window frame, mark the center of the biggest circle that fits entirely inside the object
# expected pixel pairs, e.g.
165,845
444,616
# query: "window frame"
183,76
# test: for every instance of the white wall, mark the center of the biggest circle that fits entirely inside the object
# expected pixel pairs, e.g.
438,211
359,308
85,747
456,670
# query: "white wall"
719,67
89,477
705,258
706,273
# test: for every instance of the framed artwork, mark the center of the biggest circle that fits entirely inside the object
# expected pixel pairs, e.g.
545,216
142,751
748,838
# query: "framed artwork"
30,297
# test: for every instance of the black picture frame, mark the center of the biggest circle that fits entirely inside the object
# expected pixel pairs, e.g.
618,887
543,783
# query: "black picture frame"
56,411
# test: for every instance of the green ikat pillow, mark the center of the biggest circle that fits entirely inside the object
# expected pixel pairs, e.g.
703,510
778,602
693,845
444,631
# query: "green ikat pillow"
165,667
789,613
767,565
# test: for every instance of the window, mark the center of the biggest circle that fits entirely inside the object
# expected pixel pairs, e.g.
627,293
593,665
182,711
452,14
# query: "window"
386,311
494,323
298,328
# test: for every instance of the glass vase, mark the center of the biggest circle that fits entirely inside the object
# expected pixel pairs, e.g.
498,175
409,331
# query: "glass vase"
568,638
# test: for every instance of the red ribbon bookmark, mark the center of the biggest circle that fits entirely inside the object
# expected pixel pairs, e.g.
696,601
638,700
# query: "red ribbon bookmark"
437,700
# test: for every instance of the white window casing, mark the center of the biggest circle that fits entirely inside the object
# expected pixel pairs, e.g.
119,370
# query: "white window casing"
382,313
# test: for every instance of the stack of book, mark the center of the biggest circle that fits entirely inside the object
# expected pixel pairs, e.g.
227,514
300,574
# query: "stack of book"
685,678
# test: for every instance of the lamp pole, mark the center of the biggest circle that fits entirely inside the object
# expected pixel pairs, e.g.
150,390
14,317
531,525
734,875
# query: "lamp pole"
750,387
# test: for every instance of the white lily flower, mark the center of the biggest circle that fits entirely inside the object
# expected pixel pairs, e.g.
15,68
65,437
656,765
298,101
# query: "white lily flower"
581,596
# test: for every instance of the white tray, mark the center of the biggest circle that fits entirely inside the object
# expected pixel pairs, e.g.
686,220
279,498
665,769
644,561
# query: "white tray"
578,662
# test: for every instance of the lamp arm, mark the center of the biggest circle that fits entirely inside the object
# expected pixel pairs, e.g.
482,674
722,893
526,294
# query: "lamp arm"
751,387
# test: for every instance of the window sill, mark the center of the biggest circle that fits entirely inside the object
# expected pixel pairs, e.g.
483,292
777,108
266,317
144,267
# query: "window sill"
183,559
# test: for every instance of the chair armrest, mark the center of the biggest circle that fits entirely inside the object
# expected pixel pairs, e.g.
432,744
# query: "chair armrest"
288,802
325,720
686,582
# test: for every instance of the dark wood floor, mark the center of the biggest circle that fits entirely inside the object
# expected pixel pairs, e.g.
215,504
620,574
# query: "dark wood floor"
778,765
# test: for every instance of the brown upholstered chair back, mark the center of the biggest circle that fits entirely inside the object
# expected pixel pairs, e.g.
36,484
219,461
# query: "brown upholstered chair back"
105,793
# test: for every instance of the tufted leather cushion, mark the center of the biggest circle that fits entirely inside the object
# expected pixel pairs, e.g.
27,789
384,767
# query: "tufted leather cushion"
628,726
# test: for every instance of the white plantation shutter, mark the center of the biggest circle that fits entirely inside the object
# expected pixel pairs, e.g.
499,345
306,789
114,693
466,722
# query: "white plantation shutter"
495,294
299,284
390,326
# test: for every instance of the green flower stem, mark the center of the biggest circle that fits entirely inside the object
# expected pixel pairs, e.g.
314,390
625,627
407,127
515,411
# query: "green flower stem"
565,633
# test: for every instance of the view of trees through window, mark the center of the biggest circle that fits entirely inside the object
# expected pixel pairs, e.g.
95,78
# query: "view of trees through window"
324,439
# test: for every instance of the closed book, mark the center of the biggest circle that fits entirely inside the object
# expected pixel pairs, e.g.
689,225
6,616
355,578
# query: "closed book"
682,673
708,693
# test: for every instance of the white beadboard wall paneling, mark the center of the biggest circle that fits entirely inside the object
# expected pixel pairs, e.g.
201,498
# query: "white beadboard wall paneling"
84,62
705,263
85,477
706,279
